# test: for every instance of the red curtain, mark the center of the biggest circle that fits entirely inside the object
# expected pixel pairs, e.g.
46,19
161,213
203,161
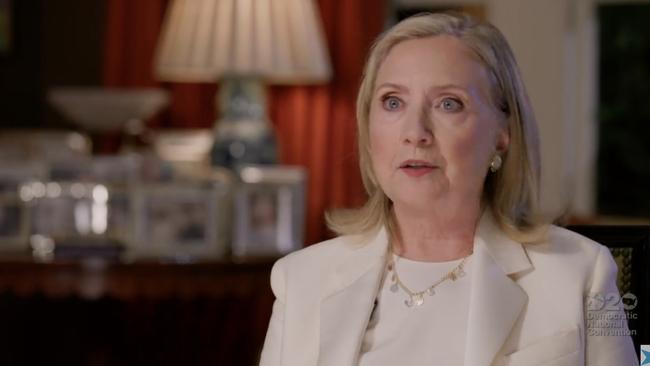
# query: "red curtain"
315,124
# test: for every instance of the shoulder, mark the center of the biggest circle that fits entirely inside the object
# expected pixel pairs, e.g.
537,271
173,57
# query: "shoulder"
568,253
565,243
321,254
562,239
312,264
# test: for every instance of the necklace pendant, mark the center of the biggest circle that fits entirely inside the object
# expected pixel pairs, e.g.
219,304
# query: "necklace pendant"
409,302
418,299
394,287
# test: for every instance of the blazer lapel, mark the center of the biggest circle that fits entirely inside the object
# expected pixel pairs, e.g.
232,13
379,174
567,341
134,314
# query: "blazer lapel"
349,301
496,301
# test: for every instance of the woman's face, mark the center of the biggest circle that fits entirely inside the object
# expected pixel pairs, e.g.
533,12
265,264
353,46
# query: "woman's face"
433,125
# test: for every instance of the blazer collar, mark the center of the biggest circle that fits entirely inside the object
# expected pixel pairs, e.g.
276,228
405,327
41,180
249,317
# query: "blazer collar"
348,301
364,255
508,254
496,300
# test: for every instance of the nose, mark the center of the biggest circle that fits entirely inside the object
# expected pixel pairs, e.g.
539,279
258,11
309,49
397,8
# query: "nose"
417,129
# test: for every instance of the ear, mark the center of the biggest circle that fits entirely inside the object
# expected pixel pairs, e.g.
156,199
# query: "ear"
503,140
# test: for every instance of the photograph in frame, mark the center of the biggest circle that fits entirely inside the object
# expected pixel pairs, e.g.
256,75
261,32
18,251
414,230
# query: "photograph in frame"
269,211
181,221
79,212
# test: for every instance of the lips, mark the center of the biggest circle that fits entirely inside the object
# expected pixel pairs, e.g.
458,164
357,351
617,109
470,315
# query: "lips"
416,168
416,164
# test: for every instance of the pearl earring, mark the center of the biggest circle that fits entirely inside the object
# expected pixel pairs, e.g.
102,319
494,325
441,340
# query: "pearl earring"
495,164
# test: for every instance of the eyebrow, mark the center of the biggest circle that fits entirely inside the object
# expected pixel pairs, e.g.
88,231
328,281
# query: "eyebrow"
434,88
392,86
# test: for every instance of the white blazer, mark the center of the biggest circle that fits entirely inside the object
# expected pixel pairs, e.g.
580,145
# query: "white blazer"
527,304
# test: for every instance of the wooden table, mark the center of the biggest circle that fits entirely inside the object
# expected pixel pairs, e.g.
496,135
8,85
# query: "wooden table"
93,312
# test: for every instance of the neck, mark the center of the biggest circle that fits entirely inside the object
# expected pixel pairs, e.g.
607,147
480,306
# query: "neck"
436,235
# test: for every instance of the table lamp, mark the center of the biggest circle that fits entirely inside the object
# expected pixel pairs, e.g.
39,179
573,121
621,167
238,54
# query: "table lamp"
242,44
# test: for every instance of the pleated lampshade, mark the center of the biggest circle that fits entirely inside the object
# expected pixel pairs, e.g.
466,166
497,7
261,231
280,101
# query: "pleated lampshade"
279,41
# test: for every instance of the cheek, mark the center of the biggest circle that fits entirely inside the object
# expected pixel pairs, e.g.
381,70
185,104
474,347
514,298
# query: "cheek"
383,149
381,139
378,139
470,153
379,149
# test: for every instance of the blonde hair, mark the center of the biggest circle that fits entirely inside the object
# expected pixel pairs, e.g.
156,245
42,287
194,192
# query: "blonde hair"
512,192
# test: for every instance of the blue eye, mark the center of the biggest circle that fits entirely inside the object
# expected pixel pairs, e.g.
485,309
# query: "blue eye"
451,105
391,103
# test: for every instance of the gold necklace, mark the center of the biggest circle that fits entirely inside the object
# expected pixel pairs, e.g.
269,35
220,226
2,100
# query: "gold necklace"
417,298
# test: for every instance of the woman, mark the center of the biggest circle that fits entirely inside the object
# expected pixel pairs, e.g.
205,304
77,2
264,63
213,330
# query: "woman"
448,262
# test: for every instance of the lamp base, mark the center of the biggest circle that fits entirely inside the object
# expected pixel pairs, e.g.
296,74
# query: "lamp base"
243,134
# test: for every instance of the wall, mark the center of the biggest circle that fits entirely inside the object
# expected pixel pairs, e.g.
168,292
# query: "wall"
56,43
554,42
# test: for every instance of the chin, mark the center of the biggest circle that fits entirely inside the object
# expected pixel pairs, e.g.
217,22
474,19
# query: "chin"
417,203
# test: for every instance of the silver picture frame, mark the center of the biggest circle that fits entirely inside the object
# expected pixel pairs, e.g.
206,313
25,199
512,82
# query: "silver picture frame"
181,221
269,211
79,213
14,173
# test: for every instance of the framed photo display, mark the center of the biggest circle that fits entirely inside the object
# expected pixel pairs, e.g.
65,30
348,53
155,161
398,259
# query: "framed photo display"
79,212
14,224
269,211
181,221
14,173
120,170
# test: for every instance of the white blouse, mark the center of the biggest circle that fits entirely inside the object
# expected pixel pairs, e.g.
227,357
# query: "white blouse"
432,333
